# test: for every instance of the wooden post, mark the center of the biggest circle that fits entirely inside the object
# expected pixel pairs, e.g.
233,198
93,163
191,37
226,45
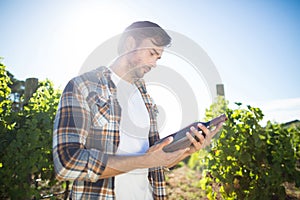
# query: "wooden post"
31,85
220,90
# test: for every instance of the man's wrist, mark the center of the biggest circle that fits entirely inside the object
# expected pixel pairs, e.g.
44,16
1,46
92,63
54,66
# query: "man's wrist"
147,160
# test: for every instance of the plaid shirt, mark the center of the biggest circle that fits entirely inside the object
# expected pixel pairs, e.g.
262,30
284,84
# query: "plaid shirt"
86,131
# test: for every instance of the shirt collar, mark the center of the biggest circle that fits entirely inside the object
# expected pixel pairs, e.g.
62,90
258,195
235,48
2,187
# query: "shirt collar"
140,84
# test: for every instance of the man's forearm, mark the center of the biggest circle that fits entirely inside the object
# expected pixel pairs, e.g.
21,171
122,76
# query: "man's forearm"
154,158
121,164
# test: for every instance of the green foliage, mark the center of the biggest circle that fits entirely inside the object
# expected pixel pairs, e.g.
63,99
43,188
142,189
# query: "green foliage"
219,107
198,160
26,141
294,129
5,103
249,161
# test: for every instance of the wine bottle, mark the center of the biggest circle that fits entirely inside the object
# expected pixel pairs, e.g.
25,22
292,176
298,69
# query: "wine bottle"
181,141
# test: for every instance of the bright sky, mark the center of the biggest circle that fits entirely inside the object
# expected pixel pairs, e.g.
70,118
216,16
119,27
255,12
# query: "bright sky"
254,45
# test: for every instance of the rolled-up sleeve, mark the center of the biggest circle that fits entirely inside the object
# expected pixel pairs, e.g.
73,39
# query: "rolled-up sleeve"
72,160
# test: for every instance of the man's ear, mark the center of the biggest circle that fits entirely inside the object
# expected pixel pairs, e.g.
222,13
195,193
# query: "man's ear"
130,44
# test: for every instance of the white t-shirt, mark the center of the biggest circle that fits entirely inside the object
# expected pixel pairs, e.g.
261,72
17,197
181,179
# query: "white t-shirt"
134,134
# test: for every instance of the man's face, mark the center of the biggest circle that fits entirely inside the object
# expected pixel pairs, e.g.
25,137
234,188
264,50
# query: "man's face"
143,58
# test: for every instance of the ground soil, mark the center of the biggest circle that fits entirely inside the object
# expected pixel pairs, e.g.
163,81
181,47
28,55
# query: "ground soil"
182,184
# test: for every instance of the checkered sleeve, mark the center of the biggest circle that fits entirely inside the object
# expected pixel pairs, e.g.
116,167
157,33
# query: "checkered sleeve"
72,160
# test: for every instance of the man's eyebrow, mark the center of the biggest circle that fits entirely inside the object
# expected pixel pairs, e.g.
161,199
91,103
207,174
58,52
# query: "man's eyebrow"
156,52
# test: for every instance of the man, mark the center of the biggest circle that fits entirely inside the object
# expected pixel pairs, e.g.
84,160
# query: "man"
105,128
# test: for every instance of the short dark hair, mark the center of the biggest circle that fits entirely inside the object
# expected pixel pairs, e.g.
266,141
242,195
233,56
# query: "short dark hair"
141,30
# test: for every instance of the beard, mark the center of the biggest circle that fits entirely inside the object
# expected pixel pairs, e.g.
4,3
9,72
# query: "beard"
137,67
137,71
140,71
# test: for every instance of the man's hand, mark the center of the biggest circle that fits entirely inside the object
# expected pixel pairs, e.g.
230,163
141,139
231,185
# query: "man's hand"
202,142
159,157
172,158
154,157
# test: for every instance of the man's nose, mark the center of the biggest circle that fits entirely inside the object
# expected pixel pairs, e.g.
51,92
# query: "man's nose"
153,63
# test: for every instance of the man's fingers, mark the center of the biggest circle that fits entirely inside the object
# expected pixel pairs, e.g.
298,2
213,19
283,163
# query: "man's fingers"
204,128
219,126
167,141
197,143
161,145
217,129
199,134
